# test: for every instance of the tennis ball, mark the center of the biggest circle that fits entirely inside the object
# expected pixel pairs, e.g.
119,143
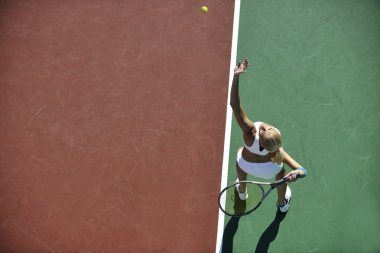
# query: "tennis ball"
204,9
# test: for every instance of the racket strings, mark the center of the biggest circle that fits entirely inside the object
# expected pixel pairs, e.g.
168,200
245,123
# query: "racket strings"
232,205
240,206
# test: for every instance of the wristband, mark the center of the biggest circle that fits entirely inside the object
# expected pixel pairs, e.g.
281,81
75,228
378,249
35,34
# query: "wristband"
304,172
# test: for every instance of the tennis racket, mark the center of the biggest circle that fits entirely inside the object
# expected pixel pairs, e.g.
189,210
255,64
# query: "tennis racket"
232,205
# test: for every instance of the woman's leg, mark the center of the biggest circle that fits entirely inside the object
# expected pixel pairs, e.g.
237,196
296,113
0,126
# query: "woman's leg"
281,190
242,177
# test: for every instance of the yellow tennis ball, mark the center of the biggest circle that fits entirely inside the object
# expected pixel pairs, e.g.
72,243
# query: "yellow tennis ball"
204,9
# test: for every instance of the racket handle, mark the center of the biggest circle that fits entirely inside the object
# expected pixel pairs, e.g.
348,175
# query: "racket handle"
286,179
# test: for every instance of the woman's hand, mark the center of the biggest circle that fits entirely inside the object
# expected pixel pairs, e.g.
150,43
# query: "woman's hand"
241,68
293,175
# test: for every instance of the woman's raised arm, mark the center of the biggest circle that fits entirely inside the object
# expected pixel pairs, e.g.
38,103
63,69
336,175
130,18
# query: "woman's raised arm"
244,122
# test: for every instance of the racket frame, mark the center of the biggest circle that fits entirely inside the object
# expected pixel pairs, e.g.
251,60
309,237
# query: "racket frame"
260,184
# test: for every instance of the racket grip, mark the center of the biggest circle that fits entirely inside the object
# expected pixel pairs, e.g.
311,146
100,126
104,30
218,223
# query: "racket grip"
286,179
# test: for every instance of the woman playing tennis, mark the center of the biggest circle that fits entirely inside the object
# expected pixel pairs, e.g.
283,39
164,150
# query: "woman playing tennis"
262,154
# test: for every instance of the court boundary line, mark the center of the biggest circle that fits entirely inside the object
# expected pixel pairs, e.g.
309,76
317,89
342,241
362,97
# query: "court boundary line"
227,134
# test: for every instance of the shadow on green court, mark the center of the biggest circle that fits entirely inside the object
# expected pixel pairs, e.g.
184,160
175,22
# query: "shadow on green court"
268,236
229,233
270,233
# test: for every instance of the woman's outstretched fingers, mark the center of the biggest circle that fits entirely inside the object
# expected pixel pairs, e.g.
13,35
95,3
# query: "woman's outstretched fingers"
241,67
246,63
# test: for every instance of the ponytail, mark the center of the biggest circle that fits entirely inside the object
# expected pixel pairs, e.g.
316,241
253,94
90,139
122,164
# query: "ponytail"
277,158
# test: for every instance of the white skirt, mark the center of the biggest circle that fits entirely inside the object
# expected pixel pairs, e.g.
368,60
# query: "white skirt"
263,170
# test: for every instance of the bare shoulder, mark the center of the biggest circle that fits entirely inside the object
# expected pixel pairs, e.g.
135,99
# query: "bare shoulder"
244,122
282,152
254,130
249,136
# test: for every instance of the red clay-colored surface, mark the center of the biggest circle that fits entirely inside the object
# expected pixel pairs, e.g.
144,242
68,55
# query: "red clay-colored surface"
112,121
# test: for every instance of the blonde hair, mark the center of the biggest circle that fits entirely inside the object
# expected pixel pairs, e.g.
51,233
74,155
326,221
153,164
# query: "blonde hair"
273,143
277,158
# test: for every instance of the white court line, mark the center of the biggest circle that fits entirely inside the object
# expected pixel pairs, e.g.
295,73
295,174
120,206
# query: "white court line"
227,135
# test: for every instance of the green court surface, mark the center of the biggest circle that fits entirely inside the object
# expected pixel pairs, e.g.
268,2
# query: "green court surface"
315,75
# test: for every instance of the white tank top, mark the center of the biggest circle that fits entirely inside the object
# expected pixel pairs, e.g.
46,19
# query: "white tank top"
255,148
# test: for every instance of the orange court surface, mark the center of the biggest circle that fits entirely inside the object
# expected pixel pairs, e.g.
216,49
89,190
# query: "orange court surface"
112,121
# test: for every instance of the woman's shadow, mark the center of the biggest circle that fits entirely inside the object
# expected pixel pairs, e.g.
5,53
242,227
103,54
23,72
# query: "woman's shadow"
229,234
270,233
268,236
